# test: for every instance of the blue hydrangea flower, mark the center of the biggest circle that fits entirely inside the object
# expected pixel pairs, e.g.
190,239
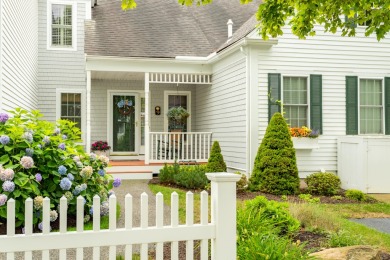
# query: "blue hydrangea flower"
92,156
46,139
38,177
8,186
70,177
104,208
62,170
64,137
117,182
83,186
29,152
40,226
101,172
57,131
65,184
79,164
4,139
61,146
28,137
39,146
91,210
3,117
77,190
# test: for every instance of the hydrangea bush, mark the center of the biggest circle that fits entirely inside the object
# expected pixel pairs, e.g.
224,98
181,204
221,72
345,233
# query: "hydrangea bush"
42,159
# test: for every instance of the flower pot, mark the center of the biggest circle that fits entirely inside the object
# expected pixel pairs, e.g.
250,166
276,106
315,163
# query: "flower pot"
105,153
305,143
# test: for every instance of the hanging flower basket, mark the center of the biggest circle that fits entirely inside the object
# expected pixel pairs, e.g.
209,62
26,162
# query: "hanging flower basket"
177,116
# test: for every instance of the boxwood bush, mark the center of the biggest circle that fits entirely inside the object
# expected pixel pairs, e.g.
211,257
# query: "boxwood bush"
356,195
323,183
192,177
42,159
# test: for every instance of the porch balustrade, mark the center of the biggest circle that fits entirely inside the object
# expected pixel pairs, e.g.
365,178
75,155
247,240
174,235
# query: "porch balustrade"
179,146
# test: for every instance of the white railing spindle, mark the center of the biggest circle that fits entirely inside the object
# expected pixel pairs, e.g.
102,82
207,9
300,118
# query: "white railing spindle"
10,223
144,223
80,224
63,222
96,223
112,223
174,223
28,223
190,222
159,223
46,224
128,223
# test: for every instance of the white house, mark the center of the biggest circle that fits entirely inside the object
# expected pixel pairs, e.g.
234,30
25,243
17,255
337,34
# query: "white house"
117,73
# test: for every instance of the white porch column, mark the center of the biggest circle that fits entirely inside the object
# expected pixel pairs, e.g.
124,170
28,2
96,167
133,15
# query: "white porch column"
88,132
147,119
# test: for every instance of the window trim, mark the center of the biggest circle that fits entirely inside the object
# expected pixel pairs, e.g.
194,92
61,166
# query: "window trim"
307,97
383,105
50,3
83,108
174,93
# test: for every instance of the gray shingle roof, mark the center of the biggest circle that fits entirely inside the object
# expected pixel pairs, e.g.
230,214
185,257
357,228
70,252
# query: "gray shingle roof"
164,29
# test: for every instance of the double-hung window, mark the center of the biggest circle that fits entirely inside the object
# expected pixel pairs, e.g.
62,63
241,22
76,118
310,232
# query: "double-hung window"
71,107
61,31
299,96
367,105
295,101
371,106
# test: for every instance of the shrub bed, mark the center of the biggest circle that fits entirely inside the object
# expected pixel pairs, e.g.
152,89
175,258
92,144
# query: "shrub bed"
186,176
41,159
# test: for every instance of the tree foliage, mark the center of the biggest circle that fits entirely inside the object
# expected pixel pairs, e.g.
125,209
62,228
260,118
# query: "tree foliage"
302,15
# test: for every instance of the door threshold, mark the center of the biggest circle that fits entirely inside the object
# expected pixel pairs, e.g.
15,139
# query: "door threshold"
127,157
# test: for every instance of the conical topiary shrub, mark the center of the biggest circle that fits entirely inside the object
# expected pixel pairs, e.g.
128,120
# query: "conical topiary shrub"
275,170
216,162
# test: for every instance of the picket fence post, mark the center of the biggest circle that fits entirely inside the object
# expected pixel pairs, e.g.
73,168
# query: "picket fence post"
223,214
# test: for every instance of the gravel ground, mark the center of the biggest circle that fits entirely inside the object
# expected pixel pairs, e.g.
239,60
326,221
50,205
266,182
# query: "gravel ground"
133,187
380,224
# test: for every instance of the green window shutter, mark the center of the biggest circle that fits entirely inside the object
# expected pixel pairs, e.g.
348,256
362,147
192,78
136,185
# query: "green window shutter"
387,106
316,102
352,104
274,94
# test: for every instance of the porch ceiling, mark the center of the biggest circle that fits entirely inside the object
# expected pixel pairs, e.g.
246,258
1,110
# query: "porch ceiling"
117,75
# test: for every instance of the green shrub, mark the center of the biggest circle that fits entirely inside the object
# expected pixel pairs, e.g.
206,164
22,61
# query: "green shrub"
275,170
337,197
260,235
42,159
356,195
343,238
309,198
242,184
276,211
168,173
323,183
192,177
216,162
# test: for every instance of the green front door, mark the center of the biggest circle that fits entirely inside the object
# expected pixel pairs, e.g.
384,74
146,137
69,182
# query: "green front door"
123,123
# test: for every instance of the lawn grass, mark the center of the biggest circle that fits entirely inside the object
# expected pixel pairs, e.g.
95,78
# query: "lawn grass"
330,218
166,192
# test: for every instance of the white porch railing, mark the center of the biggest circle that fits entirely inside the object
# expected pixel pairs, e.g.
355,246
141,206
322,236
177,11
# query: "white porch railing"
221,230
186,146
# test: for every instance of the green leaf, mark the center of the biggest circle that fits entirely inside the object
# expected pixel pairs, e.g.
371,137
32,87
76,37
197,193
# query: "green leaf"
21,181
8,148
4,159
52,187
17,193
51,164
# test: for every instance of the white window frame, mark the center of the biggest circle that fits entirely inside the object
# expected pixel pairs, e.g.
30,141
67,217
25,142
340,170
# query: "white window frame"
383,104
308,93
83,108
175,93
50,3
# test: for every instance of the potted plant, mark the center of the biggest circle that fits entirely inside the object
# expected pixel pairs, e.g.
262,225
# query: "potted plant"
177,116
100,147
304,137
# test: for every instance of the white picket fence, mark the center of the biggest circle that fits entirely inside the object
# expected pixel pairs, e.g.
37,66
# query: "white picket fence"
221,230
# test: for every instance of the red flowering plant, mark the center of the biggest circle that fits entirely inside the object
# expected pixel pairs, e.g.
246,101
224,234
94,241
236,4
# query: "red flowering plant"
303,132
100,146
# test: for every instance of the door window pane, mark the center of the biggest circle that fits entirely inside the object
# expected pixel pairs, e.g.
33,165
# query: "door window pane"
371,108
295,105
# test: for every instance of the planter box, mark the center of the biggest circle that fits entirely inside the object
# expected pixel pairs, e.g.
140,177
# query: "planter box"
305,143
106,153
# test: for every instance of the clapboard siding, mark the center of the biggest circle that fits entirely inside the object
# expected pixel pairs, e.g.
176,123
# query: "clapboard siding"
19,54
221,109
334,57
99,103
58,68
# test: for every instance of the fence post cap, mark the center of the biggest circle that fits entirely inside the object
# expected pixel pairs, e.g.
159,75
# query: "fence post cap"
223,177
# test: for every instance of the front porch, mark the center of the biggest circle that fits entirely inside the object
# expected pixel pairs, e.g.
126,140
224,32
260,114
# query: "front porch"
143,128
